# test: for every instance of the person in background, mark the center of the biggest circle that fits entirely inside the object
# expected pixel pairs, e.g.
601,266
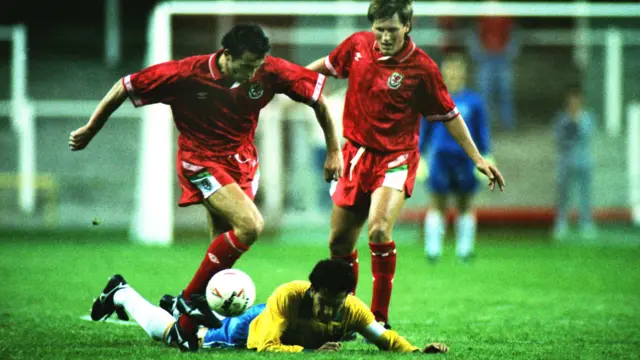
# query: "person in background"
574,127
493,46
451,172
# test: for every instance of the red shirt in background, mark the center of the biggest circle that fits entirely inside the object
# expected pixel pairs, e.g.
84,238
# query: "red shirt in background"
495,32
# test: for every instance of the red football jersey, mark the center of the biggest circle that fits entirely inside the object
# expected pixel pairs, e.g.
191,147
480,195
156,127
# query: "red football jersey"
388,94
214,119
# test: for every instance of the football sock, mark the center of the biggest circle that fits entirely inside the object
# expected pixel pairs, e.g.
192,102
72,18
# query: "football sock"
221,254
383,269
433,233
352,259
466,234
152,319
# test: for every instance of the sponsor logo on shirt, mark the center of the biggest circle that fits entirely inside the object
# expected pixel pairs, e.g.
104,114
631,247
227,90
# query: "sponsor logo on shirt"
358,56
395,80
255,90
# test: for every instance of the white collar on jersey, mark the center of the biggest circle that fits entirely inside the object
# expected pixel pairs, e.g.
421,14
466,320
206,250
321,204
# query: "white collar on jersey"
402,52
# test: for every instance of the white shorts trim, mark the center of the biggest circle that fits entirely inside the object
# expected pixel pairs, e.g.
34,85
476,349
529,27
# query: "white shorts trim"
396,180
255,183
207,185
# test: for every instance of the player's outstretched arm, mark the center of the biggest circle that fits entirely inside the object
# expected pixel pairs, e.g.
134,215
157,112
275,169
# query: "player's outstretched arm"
80,138
318,66
388,340
458,129
334,163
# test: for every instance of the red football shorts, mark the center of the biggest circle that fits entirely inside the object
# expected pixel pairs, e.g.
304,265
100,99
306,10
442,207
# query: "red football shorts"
200,179
366,170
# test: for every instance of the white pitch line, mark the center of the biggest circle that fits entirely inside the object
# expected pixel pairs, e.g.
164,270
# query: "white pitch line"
110,320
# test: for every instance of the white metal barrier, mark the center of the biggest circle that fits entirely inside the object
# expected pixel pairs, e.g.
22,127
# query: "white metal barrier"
633,158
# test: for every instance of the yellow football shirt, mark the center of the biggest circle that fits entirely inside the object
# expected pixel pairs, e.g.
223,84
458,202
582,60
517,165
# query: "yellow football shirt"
287,323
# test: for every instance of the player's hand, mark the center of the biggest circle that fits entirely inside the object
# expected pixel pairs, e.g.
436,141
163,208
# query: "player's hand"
80,138
435,348
333,165
491,171
329,347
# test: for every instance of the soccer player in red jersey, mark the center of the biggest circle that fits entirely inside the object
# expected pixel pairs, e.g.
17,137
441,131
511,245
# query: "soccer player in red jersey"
392,83
215,100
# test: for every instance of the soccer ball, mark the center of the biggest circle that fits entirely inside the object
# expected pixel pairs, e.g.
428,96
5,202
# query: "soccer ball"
230,292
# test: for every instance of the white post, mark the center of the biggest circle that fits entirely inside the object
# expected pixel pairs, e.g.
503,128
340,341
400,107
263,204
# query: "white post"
153,219
613,82
223,25
23,121
633,158
112,53
345,25
271,141
582,43
302,175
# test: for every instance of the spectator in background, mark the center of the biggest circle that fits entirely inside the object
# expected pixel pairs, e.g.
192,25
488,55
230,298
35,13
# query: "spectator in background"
451,172
574,127
493,46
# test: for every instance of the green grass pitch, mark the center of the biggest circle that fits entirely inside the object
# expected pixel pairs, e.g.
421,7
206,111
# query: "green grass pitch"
523,297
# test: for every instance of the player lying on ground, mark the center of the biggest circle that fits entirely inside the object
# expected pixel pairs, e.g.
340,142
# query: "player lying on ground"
215,100
298,316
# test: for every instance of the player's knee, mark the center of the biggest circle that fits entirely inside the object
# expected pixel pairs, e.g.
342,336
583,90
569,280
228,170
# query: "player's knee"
250,229
339,246
379,232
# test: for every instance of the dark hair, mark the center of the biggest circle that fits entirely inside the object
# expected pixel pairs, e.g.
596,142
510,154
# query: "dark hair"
333,275
385,9
246,37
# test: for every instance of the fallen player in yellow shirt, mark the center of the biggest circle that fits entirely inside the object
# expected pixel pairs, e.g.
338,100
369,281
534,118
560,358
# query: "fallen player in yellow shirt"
299,316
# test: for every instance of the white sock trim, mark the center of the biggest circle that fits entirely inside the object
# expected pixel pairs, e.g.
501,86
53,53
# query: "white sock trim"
434,230
465,234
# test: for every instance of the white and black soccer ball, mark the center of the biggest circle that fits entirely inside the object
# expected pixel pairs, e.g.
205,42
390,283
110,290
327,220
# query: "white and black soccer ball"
230,292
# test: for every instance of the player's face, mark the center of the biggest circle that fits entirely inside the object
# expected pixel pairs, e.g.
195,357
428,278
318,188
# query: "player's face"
574,103
242,68
454,73
326,305
390,34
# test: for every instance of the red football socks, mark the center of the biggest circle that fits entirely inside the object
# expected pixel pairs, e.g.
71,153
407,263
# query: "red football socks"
352,259
221,254
383,268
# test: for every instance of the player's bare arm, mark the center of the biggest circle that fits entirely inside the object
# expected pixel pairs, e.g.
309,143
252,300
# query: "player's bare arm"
80,138
334,163
458,129
388,340
318,66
